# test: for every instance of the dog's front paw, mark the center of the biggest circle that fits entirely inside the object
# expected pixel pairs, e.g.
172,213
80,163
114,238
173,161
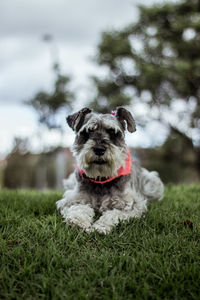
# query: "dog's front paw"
89,230
109,219
79,215
101,228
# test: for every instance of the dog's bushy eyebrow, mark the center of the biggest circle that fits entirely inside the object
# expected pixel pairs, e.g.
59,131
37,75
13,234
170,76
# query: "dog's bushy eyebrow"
103,122
92,126
113,128
87,127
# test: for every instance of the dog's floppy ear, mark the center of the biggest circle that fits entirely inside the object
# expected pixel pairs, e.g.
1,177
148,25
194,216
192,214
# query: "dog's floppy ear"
123,115
76,120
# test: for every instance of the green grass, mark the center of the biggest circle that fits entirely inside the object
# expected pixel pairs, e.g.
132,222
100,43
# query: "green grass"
156,257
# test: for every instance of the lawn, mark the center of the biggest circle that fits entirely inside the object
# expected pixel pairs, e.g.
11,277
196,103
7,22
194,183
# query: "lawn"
156,257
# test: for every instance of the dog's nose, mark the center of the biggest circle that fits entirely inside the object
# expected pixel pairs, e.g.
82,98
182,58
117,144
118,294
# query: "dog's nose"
99,150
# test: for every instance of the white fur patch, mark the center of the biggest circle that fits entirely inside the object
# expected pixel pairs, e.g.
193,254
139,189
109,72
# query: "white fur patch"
80,215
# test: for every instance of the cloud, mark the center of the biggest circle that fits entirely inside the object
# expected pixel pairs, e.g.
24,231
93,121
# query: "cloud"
74,20
26,60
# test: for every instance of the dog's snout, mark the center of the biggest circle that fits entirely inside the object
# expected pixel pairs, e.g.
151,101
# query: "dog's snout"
99,150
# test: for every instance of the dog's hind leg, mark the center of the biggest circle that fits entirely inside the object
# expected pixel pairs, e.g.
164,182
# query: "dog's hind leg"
151,185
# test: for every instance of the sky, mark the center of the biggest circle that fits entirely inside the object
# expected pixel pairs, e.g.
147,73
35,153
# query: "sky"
26,60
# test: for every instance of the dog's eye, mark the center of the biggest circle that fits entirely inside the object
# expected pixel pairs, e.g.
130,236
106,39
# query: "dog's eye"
84,135
90,130
111,132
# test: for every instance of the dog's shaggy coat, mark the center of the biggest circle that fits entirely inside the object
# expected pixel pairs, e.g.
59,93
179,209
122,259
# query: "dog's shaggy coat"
100,151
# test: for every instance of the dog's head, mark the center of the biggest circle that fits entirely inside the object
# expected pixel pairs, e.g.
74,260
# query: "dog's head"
99,146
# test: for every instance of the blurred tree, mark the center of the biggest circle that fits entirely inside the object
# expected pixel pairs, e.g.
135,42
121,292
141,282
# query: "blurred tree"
48,104
176,160
20,145
156,61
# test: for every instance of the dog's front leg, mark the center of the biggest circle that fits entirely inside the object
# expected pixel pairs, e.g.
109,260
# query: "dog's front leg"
76,210
72,197
80,215
111,218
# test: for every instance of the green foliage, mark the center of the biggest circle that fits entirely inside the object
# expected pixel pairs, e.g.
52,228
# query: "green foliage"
159,54
48,104
109,97
155,257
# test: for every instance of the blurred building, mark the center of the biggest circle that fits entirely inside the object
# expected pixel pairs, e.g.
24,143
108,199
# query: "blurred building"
175,161
2,168
41,171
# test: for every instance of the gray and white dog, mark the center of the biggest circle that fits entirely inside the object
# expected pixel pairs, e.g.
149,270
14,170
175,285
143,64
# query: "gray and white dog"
105,179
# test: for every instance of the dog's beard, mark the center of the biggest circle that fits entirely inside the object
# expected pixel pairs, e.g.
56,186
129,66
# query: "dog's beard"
103,166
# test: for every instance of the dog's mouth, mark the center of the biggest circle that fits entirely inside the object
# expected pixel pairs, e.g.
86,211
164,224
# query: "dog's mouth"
99,162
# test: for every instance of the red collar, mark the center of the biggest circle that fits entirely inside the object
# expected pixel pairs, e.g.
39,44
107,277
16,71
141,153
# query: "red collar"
121,171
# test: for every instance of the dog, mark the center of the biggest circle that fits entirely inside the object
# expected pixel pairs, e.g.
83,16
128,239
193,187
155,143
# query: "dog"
105,179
